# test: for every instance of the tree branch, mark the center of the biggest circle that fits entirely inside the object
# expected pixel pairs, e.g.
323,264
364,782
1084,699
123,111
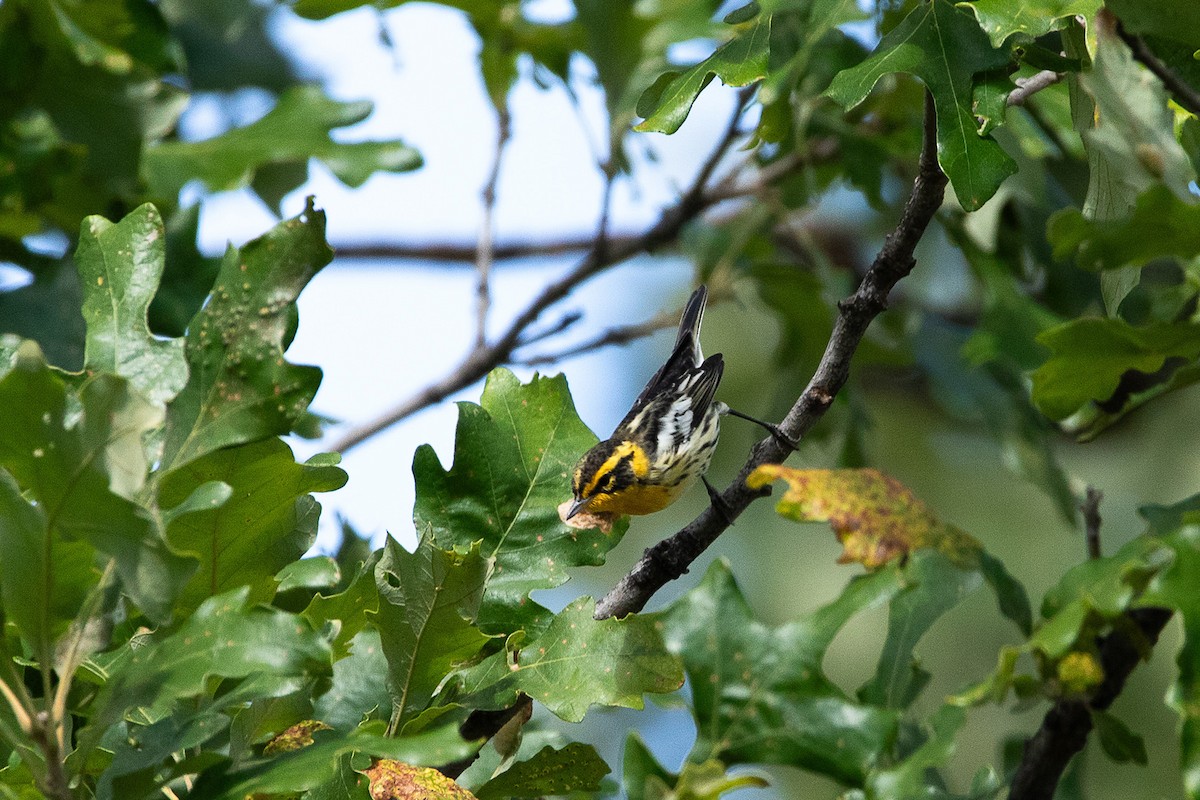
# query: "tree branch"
671,557
1066,726
485,251
1090,508
1182,91
1027,87
617,335
604,253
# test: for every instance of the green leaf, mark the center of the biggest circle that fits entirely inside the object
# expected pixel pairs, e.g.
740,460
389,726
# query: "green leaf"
314,573
358,690
241,388
934,586
119,268
513,458
349,607
1030,19
427,603
1090,356
43,582
759,693
575,768
1127,129
1119,742
295,130
267,523
1178,528
138,758
1160,225
908,780
1178,22
576,663
309,767
226,637
944,47
643,778
738,62
63,465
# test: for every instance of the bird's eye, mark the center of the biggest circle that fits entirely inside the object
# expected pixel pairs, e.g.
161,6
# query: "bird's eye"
611,483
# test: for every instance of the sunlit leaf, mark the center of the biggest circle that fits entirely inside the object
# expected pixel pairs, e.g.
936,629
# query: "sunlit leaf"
576,663
1126,125
513,457
738,62
427,604
63,465
267,523
944,47
241,388
311,766
1031,18
120,266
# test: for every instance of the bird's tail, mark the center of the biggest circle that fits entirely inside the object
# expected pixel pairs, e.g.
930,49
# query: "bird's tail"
689,323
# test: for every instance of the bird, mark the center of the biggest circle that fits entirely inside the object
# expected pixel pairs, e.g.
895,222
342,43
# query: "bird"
667,439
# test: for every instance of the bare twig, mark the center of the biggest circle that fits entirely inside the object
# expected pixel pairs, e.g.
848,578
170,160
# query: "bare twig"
671,557
604,253
1027,87
618,335
1183,92
1090,508
485,252
1066,726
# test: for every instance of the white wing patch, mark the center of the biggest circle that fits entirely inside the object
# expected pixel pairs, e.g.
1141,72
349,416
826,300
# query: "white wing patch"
675,427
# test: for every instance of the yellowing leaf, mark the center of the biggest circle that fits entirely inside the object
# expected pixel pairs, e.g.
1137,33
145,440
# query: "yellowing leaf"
394,780
875,517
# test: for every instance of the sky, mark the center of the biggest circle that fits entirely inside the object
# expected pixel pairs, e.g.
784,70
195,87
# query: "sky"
359,319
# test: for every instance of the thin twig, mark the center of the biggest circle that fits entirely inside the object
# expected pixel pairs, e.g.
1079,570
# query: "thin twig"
1090,508
671,557
485,252
1027,87
603,254
617,335
1065,728
1183,92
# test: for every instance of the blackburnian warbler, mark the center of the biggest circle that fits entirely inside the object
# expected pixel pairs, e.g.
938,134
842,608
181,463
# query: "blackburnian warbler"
667,439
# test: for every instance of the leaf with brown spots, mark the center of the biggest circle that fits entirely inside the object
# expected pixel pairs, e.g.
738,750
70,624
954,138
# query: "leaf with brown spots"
295,737
513,458
241,388
393,780
576,663
875,517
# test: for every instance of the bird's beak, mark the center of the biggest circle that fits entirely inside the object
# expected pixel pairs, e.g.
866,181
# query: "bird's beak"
579,504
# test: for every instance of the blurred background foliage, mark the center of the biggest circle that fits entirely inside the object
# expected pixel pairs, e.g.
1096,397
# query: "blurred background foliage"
1054,297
